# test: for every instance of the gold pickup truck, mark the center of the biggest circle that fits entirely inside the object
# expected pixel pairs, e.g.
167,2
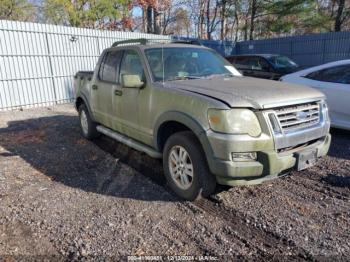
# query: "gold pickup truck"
189,106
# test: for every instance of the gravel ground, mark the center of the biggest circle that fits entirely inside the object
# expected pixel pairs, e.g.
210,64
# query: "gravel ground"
67,198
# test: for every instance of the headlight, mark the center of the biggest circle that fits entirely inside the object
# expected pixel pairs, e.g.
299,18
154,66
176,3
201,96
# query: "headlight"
234,121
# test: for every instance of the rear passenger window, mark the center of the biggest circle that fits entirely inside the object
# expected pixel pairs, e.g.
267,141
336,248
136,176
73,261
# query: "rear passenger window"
109,67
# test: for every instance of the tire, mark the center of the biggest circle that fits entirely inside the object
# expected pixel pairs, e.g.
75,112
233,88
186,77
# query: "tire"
87,126
177,166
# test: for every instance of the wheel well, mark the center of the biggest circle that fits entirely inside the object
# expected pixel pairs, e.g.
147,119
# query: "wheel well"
167,129
79,102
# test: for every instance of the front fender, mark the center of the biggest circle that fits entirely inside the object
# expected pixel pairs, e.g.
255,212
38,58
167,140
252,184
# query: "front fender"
187,121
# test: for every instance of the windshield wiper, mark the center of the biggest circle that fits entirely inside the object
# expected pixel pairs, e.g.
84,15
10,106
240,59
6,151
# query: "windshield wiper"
220,75
184,78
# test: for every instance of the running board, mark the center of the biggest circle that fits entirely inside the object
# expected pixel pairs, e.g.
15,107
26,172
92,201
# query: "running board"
129,142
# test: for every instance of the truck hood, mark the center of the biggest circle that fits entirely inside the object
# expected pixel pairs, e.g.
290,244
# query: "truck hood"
249,92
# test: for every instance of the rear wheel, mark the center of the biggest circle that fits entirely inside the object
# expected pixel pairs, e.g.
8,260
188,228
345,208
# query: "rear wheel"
186,168
87,126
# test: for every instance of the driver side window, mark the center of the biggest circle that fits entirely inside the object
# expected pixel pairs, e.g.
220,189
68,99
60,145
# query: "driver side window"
131,65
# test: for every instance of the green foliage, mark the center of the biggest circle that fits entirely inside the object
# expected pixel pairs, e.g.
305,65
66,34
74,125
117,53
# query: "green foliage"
240,19
16,10
289,16
83,12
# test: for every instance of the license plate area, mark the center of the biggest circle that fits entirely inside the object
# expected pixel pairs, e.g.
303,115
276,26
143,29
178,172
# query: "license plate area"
306,159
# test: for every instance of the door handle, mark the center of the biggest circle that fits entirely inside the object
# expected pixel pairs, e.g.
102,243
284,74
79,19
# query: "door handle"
118,92
95,87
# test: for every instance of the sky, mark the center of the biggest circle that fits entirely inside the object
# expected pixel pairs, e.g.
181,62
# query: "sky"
137,11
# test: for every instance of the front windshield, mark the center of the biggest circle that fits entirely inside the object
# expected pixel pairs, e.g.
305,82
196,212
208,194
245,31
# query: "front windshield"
186,63
282,62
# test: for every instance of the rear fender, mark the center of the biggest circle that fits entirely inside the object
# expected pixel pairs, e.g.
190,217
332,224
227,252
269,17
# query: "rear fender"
85,101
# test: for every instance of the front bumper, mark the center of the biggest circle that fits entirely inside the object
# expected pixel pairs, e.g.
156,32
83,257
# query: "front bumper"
269,164
278,151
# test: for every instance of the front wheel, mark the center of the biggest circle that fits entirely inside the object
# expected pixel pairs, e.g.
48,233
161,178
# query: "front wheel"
186,168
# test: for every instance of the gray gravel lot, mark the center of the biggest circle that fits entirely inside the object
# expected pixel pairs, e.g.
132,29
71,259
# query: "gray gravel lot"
68,198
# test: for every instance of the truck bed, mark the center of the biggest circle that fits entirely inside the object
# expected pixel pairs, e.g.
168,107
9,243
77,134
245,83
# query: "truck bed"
81,78
83,74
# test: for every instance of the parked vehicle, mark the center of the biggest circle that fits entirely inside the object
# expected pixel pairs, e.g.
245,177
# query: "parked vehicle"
189,106
333,79
266,66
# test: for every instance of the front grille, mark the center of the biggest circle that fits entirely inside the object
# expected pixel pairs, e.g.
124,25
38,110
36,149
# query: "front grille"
299,116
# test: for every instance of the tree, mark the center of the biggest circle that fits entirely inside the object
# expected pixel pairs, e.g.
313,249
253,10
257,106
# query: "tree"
212,20
295,17
340,13
181,24
88,13
224,15
201,4
20,10
153,12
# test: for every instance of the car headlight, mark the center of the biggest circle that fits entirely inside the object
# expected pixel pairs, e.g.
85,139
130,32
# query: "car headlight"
234,121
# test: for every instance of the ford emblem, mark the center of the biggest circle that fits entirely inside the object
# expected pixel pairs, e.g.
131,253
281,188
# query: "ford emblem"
301,115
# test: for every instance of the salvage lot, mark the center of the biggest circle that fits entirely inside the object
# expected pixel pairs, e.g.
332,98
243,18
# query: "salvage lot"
62,195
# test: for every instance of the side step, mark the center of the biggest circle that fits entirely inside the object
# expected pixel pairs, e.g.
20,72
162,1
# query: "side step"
129,142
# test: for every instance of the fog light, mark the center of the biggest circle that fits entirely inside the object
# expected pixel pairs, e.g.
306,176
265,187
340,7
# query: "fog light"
239,157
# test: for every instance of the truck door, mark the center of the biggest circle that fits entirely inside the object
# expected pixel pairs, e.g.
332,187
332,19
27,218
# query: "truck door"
126,105
102,90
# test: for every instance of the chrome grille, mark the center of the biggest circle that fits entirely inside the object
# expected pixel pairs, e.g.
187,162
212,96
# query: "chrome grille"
299,116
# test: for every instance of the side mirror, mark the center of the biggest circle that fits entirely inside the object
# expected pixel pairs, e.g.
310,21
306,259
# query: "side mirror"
132,81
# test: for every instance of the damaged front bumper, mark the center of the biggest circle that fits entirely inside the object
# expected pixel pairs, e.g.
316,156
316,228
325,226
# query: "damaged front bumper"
269,164
276,153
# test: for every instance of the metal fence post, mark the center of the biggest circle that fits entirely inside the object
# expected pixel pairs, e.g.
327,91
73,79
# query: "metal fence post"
324,50
51,67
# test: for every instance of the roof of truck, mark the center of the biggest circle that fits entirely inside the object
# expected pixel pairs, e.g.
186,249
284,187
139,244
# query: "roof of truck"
152,46
170,45
143,43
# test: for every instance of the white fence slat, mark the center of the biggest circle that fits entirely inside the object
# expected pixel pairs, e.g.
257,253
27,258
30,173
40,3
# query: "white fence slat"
38,61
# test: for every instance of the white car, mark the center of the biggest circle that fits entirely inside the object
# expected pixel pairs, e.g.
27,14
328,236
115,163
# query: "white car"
333,79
